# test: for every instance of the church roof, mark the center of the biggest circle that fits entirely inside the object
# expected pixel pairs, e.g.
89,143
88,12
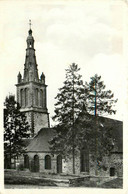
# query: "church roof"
117,132
116,125
40,142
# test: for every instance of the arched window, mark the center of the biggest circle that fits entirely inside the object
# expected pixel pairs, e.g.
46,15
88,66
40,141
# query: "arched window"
26,96
59,164
47,162
36,163
26,161
41,98
36,96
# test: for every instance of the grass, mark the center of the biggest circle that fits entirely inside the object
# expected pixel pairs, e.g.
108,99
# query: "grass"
116,183
27,178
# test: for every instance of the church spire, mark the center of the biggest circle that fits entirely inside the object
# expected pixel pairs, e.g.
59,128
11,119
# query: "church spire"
30,24
30,69
32,90
30,39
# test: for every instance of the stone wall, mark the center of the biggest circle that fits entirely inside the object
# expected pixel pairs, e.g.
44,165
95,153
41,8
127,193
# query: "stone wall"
113,161
41,120
68,165
37,120
42,161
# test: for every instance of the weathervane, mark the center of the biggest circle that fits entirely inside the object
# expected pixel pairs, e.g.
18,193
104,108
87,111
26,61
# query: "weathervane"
30,23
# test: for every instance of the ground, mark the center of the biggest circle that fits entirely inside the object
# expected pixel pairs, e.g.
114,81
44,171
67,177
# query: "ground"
22,179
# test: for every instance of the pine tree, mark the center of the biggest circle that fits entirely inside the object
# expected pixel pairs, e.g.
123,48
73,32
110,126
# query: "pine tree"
16,128
70,100
100,101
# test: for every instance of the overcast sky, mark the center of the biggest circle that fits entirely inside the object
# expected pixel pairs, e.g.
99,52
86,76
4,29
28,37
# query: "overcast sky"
89,33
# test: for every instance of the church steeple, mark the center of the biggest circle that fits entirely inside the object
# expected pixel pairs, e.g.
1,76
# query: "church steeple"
30,66
30,39
32,90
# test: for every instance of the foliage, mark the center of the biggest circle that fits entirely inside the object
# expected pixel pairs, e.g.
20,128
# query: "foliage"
100,101
77,127
88,127
70,100
16,128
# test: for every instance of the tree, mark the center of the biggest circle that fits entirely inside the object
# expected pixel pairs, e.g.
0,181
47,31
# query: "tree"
16,128
76,127
70,100
100,101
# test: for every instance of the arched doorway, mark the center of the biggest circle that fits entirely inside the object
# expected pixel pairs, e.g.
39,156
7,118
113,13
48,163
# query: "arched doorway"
59,164
112,171
36,163
26,161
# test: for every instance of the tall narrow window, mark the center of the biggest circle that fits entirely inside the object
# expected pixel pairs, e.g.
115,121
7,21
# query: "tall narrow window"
47,162
22,97
41,98
26,161
36,96
36,163
26,96
59,164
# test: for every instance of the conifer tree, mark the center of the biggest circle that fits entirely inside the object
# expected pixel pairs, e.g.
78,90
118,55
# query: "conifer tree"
70,100
100,101
16,128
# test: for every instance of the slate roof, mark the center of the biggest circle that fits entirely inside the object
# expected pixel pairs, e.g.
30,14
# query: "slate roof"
40,142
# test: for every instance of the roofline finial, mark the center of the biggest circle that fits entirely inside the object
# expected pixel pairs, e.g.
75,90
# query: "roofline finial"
30,24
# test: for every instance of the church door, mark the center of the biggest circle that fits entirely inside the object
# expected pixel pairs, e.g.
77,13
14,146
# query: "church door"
112,171
59,164
36,163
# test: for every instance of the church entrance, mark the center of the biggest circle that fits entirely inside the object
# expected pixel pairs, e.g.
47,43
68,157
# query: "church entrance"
59,164
112,171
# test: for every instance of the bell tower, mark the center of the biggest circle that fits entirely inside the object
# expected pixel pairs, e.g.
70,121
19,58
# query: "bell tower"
32,90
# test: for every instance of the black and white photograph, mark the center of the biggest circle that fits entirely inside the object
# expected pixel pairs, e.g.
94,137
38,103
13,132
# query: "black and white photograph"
64,70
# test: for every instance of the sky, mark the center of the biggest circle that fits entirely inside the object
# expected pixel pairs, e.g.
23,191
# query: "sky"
89,33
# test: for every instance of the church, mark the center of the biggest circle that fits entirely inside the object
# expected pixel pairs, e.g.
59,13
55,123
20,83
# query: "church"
32,96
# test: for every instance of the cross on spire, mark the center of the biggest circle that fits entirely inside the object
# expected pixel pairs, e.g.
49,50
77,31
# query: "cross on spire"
30,24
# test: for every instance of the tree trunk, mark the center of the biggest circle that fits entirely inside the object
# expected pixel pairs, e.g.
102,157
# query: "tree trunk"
73,148
96,141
